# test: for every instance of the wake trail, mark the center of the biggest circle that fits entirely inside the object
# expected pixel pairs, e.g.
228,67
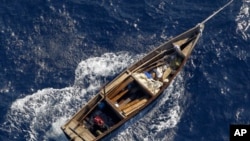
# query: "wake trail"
39,116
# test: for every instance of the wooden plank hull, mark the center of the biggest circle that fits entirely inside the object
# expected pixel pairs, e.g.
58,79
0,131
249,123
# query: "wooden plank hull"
134,89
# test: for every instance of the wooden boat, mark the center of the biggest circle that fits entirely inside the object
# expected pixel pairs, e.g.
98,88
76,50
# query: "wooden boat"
134,89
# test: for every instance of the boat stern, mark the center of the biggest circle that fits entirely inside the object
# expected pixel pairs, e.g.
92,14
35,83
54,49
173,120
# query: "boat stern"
75,132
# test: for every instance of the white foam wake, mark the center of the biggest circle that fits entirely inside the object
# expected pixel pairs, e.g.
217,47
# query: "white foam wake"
243,20
39,116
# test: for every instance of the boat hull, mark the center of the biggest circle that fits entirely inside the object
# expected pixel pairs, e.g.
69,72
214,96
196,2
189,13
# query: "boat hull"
133,90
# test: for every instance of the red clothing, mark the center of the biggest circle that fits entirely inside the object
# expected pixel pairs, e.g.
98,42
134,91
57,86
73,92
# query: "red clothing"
99,121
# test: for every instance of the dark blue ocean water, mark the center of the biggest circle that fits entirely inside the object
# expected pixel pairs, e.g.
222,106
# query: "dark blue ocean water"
55,55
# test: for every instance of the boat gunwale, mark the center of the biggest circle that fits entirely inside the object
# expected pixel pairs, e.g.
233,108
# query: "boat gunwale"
130,70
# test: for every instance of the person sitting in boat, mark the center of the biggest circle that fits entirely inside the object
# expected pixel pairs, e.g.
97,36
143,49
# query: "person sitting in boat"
98,121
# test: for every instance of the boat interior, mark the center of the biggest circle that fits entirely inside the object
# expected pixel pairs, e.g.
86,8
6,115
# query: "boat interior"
130,95
116,106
